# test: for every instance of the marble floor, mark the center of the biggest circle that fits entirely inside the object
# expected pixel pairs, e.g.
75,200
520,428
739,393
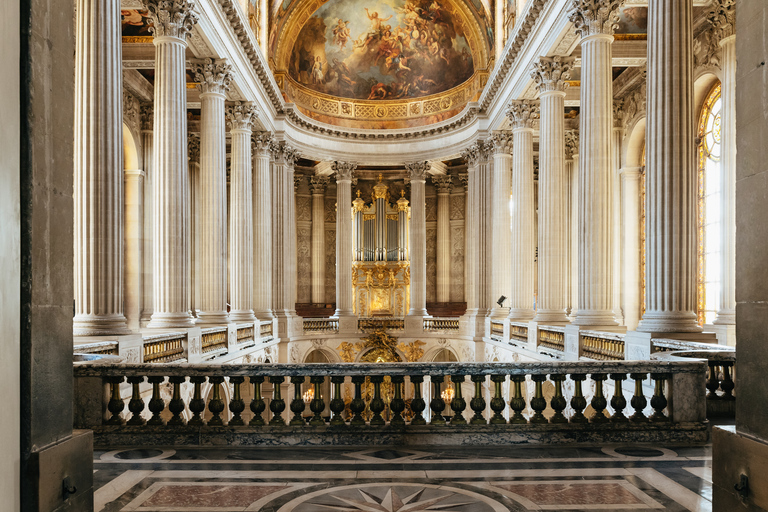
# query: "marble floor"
405,479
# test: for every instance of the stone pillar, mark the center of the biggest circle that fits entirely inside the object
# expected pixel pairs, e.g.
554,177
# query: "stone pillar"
670,172
572,164
617,135
262,227
471,231
193,227
213,78
418,174
594,20
631,208
522,115
344,171
147,122
98,195
134,223
283,236
443,185
722,19
172,22
550,74
241,118
501,270
317,185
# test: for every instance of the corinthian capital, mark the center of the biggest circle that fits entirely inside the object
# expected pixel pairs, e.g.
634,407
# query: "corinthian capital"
283,153
443,183
173,18
147,117
523,113
344,170
193,147
261,143
241,116
571,143
418,170
552,73
213,76
317,184
722,17
502,143
593,17
477,152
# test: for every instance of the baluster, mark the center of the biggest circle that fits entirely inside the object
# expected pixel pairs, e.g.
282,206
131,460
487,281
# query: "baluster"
578,402
517,402
116,404
478,402
257,404
538,402
136,404
659,401
599,403
727,384
497,402
237,404
397,405
216,404
357,406
417,404
377,405
712,382
297,404
277,405
197,404
317,405
337,404
618,402
638,401
156,404
458,404
437,404
176,405
558,401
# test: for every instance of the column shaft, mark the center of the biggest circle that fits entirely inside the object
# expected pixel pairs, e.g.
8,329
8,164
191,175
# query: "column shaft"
148,217
443,185
523,235
418,239
318,184
344,238
630,200
616,211
134,224
501,240
262,228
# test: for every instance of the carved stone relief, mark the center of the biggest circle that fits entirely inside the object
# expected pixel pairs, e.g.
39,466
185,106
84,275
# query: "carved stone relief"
457,207
304,264
430,204
303,208
330,209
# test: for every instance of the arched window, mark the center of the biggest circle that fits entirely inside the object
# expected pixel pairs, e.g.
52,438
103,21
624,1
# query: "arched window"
710,204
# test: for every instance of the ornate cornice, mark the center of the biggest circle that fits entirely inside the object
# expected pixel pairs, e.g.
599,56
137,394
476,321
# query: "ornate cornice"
571,143
722,18
317,184
344,170
172,18
592,17
147,117
297,179
418,170
502,143
443,183
552,73
523,113
241,116
261,143
193,148
213,76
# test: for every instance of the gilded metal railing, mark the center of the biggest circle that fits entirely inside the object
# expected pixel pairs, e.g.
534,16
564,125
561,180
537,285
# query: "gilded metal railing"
321,325
441,324
602,346
552,338
164,348
214,339
245,335
518,333
265,331
376,323
497,329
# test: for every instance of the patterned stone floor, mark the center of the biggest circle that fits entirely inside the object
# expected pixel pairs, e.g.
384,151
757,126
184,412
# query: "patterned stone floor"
381,479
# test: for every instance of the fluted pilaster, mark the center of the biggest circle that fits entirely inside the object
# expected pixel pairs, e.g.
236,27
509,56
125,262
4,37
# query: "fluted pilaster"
443,185
418,174
522,114
172,21
501,270
262,226
241,118
147,123
193,226
572,171
595,21
317,186
344,253
284,234
617,136
631,208
670,171
551,75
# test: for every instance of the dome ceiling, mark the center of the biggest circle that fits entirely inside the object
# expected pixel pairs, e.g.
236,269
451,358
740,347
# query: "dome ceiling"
382,63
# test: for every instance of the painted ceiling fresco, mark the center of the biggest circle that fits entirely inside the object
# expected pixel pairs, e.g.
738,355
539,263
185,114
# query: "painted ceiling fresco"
633,20
381,50
135,23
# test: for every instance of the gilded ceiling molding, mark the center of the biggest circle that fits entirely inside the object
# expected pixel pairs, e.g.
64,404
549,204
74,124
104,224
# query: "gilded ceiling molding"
171,18
552,73
523,114
344,170
592,17
212,76
241,116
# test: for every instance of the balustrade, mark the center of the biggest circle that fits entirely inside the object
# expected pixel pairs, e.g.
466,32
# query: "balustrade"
321,325
497,330
108,348
245,335
552,338
265,331
602,346
379,323
518,333
164,349
437,324
214,339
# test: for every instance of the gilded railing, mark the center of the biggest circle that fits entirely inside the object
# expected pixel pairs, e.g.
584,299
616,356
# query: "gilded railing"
265,331
214,339
245,335
164,348
518,333
602,346
497,330
108,348
377,323
552,338
321,325
441,324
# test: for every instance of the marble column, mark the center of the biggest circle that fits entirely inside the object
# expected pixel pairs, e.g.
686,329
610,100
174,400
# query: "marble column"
283,235
501,238
595,20
147,122
344,171
572,170
443,185
522,115
722,19
98,188
617,136
193,227
418,174
262,226
471,156
550,75
241,118
213,78
317,186
631,208
172,22
134,223
670,171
